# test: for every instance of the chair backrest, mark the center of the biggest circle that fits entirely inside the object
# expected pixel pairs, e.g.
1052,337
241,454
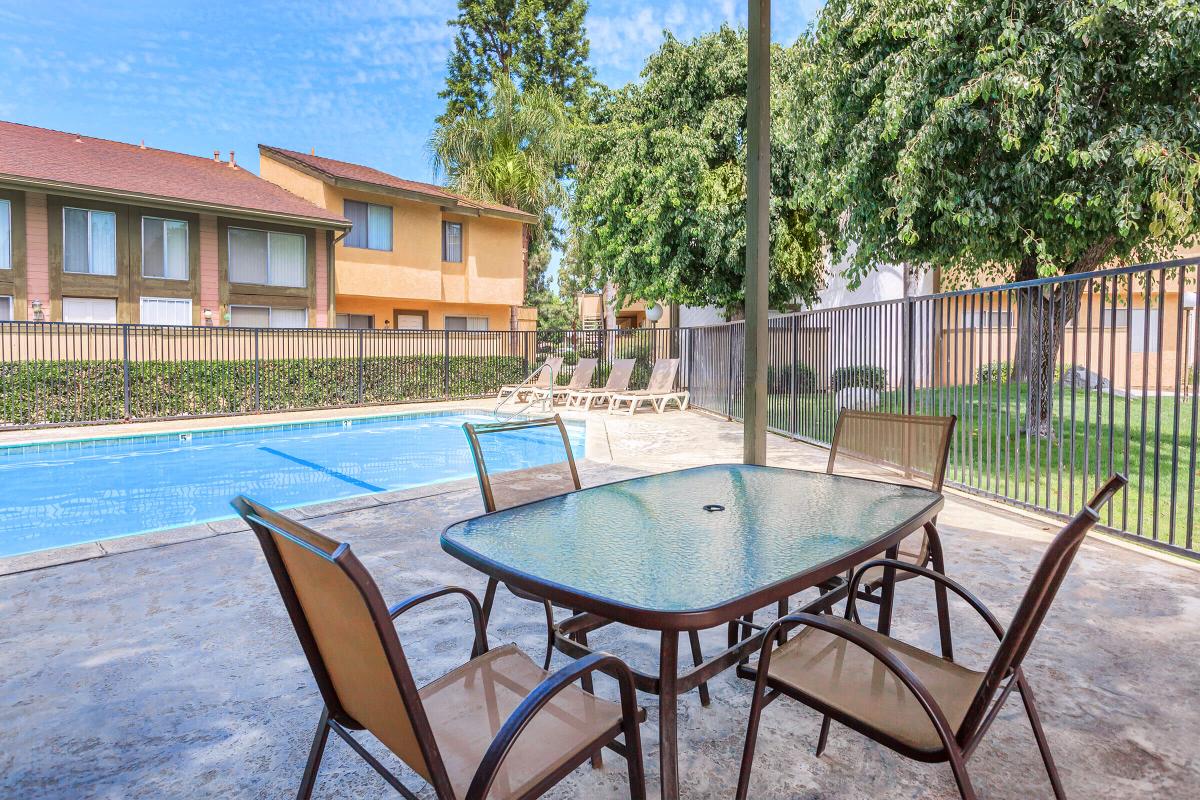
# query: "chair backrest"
546,377
581,377
502,490
348,637
620,374
662,376
1036,602
918,446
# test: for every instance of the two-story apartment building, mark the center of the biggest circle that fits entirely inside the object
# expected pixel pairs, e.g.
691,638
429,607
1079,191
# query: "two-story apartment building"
93,230
418,255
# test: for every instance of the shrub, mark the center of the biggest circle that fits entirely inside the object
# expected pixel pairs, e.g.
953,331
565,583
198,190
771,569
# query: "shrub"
864,376
85,391
779,379
995,372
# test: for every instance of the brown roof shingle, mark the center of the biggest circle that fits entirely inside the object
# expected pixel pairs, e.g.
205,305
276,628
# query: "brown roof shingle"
42,155
333,169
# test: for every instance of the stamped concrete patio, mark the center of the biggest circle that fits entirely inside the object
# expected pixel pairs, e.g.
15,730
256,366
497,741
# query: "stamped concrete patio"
171,670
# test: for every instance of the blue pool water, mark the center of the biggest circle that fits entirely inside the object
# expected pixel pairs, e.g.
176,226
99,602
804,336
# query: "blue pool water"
85,491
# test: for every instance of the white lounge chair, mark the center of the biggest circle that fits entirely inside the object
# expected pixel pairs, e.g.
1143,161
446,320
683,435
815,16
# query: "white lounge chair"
544,380
581,378
618,381
658,392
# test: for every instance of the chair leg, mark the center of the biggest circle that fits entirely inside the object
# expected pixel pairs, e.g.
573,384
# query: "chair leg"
823,737
756,709
1040,735
959,766
314,757
586,682
549,634
697,660
633,757
938,563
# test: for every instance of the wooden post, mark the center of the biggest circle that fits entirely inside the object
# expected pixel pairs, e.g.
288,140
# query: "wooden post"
758,233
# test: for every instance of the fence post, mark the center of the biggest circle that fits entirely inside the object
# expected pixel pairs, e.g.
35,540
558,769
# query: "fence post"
361,334
795,420
257,393
729,377
910,349
446,360
125,367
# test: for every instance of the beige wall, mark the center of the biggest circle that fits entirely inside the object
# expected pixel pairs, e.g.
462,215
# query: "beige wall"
412,276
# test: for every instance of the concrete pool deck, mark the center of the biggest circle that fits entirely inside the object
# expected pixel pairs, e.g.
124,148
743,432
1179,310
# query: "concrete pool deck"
171,671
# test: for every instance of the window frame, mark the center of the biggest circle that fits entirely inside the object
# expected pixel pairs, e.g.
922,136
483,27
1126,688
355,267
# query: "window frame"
187,248
270,313
113,300
367,232
89,212
466,320
446,224
12,307
268,232
142,309
6,257
338,319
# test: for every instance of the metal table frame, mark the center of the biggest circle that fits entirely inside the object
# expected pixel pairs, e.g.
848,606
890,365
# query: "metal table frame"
744,637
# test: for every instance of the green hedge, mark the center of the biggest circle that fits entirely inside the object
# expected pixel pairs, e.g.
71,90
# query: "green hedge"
779,379
84,391
860,376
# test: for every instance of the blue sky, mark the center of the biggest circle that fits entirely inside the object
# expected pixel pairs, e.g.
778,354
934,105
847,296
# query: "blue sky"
357,80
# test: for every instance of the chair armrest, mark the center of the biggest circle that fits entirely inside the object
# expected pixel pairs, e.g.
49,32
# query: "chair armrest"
937,577
606,663
480,646
845,629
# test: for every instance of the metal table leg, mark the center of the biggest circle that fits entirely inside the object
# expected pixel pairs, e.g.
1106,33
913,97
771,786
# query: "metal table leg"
668,710
888,594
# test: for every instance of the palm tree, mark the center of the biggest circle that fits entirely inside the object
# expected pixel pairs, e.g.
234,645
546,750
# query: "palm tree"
512,151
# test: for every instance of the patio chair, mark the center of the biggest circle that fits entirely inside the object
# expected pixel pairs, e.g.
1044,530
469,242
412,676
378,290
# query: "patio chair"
659,391
618,381
503,490
920,705
581,378
497,726
543,379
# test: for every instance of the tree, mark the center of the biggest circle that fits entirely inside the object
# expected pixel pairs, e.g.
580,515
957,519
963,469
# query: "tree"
510,152
660,189
531,43
1004,140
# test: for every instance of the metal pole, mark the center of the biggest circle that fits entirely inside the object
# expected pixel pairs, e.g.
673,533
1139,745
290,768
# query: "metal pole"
446,360
125,347
257,394
361,334
758,244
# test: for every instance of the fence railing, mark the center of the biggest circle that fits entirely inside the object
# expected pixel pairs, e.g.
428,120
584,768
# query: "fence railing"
1056,383
71,373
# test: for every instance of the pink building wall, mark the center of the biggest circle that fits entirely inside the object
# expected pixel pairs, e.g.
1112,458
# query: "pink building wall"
37,247
322,282
210,295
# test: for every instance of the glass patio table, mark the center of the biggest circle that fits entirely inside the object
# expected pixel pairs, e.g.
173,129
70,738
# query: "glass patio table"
688,550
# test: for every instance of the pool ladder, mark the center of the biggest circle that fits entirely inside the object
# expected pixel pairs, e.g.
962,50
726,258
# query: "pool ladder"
544,403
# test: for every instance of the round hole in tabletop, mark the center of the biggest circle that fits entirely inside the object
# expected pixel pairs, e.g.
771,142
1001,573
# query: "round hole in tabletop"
711,507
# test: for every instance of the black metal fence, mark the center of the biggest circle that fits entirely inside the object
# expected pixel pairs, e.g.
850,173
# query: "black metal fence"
71,374
1056,383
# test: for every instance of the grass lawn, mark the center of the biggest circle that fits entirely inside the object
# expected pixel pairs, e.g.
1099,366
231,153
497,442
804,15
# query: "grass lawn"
1095,434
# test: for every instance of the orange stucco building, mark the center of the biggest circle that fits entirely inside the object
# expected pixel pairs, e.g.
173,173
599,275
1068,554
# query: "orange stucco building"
418,256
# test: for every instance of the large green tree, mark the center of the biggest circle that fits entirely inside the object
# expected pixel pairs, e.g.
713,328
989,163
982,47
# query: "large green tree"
532,43
660,195
1004,140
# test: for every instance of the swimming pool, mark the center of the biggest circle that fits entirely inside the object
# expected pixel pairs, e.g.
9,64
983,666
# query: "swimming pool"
94,489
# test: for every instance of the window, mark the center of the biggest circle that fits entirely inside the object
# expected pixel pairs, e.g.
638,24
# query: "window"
6,237
989,319
1114,318
357,322
89,241
6,309
89,309
266,317
466,323
451,241
166,311
372,225
164,248
410,322
267,258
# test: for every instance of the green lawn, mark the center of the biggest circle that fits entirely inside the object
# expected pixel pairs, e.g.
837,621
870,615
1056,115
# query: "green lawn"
1095,434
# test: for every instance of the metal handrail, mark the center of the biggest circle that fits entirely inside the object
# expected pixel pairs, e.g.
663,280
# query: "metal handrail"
528,382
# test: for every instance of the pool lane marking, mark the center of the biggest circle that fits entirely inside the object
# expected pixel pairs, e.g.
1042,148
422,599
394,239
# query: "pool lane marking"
333,473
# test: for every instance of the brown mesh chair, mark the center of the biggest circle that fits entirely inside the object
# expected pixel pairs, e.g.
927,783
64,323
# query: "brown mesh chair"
503,490
920,705
498,726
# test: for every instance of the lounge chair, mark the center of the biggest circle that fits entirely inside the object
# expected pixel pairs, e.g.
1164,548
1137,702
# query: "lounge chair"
497,726
544,379
618,381
581,378
659,391
922,706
